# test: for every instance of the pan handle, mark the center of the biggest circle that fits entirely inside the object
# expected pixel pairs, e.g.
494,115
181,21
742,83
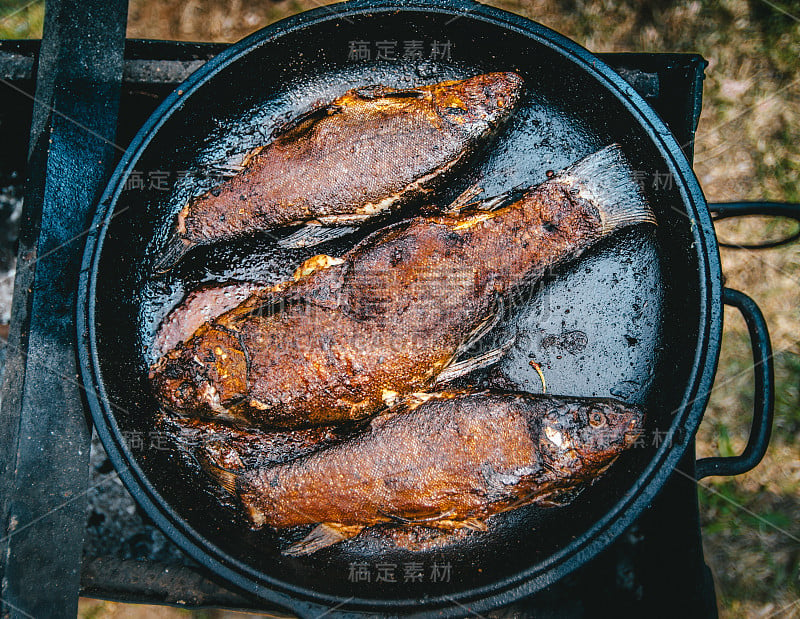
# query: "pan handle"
764,393
790,210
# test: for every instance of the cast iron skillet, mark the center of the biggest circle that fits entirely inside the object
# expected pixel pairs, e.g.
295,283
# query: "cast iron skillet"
639,317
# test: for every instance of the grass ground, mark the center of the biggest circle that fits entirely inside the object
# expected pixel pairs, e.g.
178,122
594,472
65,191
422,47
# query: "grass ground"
748,147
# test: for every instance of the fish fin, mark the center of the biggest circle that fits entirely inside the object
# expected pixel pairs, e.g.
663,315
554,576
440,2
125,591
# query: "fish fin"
401,407
465,199
437,520
225,171
440,520
377,91
484,327
532,498
345,220
262,303
414,400
467,366
606,179
559,497
225,478
175,248
248,158
304,121
323,229
395,518
322,536
487,204
474,524
313,234
496,202
221,450
602,470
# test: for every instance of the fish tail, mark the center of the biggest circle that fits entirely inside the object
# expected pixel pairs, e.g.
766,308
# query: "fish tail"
225,478
174,250
606,179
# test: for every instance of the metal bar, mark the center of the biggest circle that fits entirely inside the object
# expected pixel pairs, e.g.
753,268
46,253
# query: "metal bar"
44,445
148,582
146,61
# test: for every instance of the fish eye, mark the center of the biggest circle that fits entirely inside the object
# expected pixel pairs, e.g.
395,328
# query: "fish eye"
597,419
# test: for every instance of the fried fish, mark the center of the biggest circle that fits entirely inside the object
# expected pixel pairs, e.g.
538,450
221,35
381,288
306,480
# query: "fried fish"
355,334
450,461
370,151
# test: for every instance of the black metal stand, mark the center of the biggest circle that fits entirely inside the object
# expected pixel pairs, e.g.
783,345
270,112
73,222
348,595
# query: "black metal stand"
45,438
656,568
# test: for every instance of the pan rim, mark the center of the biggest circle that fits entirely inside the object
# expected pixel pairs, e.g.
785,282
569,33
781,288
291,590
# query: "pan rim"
590,542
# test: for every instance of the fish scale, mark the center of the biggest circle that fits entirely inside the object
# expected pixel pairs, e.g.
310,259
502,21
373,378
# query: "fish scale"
354,334
447,460
366,153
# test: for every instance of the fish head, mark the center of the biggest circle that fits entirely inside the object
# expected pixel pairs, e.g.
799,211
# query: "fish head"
206,374
581,438
479,104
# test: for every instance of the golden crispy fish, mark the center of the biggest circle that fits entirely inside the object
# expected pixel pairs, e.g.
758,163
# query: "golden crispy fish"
451,460
355,334
370,151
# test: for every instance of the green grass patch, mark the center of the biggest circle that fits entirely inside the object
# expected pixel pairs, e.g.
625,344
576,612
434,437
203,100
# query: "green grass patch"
18,21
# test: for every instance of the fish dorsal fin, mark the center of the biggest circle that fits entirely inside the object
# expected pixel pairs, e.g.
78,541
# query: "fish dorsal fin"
293,292
305,121
496,202
261,303
378,91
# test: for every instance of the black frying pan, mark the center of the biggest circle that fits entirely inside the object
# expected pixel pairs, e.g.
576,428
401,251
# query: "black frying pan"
639,317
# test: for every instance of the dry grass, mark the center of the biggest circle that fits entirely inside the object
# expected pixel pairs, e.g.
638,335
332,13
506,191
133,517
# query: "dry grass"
748,147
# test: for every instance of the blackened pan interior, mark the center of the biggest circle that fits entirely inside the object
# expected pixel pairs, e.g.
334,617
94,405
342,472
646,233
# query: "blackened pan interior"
630,319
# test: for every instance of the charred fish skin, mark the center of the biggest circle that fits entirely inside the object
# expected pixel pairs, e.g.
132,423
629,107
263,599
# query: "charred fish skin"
197,308
453,460
371,150
364,331
234,448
